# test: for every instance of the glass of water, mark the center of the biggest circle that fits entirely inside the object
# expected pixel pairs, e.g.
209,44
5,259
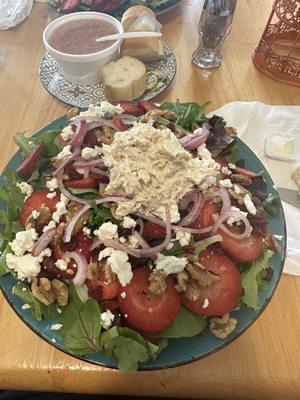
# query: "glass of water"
214,26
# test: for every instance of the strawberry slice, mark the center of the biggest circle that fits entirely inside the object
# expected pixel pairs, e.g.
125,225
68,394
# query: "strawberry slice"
239,170
100,289
105,5
84,183
223,295
120,125
147,105
28,165
132,108
153,231
36,201
144,313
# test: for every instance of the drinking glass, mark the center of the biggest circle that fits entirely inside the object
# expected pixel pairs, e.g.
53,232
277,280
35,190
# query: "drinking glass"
214,26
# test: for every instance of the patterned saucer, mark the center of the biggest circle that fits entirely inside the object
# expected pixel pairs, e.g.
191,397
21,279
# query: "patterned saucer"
83,95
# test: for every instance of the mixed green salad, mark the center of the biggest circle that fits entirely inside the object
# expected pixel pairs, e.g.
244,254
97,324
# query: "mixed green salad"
133,224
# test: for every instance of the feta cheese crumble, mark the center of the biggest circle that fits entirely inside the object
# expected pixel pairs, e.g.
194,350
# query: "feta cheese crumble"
62,264
26,306
65,152
226,171
25,266
133,242
52,184
118,262
89,153
35,214
231,220
52,224
249,204
170,264
122,239
107,230
24,241
56,327
25,188
61,208
67,133
107,318
51,195
128,222
205,303
86,230
150,166
231,166
123,295
183,238
226,183
105,109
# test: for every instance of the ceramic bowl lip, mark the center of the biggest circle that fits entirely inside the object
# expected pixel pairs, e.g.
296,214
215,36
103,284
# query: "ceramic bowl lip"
86,15
180,363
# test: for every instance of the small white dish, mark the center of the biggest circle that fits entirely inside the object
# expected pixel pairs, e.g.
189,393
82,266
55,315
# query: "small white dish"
282,147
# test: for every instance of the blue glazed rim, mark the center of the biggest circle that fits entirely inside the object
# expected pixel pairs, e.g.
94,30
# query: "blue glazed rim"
179,351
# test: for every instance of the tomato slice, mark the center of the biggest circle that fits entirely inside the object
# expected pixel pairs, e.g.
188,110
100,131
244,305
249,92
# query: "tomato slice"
144,313
223,295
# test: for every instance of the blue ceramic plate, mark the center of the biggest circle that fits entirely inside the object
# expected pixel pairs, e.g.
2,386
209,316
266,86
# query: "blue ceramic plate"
179,351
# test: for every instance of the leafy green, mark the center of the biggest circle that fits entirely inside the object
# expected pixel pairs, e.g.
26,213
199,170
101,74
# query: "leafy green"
185,324
271,204
175,250
88,194
81,324
99,215
252,278
187,113
129,347
29,144
3,266
203,244
219,140
161,121
25,143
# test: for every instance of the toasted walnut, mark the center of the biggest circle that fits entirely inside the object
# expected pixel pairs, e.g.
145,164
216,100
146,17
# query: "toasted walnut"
231,131
106,135
271,243
193,291
167,114
221,327
108,274
73,112
238,193
59,233
242,179
102,187
203,277
157,284
60,291
93,270
113,207
182,280
45,215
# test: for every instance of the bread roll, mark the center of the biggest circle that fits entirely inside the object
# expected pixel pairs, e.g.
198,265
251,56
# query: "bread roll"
145,49
124,79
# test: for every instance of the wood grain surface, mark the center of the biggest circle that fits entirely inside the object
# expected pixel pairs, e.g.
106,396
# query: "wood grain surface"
264,363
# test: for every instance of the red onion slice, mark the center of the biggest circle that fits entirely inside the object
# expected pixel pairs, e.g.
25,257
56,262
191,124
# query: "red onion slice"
99,171
82,266
94,122
88,164
198,201
79,135
194,140
226,201
140,223
141,240
43,242
63,190
236,214
86,173
65,160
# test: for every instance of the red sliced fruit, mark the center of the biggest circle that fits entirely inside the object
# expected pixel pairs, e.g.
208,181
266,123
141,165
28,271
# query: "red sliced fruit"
100,289
239,170
221,160
68,6
120,125
131,108
204,219
84,244
147,105
153,231
28,165
35,202
223,295
111,305
244,250
84,183
144,313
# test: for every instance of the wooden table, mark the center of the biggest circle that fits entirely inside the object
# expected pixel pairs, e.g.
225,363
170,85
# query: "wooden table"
265,361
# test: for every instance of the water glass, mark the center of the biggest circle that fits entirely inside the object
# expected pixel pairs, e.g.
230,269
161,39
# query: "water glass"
214,26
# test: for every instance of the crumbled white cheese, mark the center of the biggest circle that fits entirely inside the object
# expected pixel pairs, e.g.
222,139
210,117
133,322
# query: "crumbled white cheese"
53,340
86,230
61,208
51,195
107,318
25,266
226,171
150,166
62,264
24,241
237,189
133,242
118,262
170,264
278,237
128,222
226,183
104,110
24,289
26,306
205,303
207,182
64,199
122,239
67,133
231,220
45,253
169,246
231,166
35,214
89,153
123,295
65,152
56,327
52,184
59,310
52,224
249,204
80,171
183,238
25,188
107,230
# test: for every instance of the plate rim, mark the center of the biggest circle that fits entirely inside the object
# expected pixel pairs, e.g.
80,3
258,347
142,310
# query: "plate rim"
191,359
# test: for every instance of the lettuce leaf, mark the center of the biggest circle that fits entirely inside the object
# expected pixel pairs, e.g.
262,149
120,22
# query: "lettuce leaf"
251,279
99,215
81,322
203,244
88,194
187,113
185,324
28,144
271,204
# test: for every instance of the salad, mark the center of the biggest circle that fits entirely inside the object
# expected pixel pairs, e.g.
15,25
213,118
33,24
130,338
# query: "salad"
133,224
113,7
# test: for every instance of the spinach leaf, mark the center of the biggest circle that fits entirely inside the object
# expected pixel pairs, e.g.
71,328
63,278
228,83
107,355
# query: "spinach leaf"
185,324
81,325
187,113
24,293
88,194
29,144
175,250
99,215
271,204
3,266
25,143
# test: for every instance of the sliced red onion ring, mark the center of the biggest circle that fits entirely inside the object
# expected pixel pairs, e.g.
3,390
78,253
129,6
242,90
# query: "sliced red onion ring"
236,214
94,122
141,240
63,190
88,164
140,223
79,135
65,160
194,140
198,201
222,192
72,222
99,171
43,242
86,173
82,266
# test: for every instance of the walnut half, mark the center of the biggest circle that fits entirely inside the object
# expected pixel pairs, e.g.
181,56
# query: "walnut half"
221,327
157,284
47,292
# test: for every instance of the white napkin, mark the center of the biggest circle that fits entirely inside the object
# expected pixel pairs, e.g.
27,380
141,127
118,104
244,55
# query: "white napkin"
254,121
12,12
